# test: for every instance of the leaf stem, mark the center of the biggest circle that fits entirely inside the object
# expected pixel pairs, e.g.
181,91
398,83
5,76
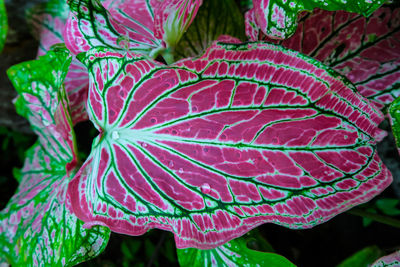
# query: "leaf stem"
376,217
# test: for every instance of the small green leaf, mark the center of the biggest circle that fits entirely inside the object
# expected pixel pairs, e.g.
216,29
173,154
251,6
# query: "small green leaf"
388,206
362,258
394,113
3,24
233,253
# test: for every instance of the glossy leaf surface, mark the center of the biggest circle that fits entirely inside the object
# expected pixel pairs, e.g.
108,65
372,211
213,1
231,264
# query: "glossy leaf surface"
215,18
3,24
210,148
365,50
390,260
278,18
37,227
233,253
48,22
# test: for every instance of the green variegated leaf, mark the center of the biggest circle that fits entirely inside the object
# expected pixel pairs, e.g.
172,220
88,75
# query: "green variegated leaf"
37,227
37,83
278,18
233,253
3,24
47,21
214,18
394,115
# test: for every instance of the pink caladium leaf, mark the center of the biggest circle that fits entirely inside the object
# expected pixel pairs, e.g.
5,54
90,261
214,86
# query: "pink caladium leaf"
211,147
120,25
365,50
389,260
173,17
147,27
278,18
37,227
48,22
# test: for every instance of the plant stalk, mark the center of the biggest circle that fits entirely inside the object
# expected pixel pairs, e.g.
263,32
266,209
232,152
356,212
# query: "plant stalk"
375,217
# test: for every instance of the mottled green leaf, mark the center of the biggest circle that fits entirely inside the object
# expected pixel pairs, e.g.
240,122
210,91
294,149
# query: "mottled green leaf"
278,18
394,113
233,253
37,227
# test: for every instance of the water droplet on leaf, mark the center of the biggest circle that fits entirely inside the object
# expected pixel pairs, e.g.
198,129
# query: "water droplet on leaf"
79,41
46,123
171,164
180,170
206,188
115,135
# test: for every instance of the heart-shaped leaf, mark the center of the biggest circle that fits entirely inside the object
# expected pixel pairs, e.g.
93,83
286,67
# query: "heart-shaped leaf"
278,18
3,24
48,22
365,50
209,148
233,253
37,227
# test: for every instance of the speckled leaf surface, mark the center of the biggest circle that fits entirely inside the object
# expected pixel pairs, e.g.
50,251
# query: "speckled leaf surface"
232,253
146,26
3,24
278,18
48,21
365,50
215,18
210,148
37,227
390,260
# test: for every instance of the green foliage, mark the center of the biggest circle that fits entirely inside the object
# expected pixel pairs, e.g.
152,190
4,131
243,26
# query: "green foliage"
362,258
234,253
214,18
3,24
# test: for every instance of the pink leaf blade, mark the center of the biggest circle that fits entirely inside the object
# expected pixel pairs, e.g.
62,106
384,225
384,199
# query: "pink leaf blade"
118,27
392,259
48,21
365,50
210,148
